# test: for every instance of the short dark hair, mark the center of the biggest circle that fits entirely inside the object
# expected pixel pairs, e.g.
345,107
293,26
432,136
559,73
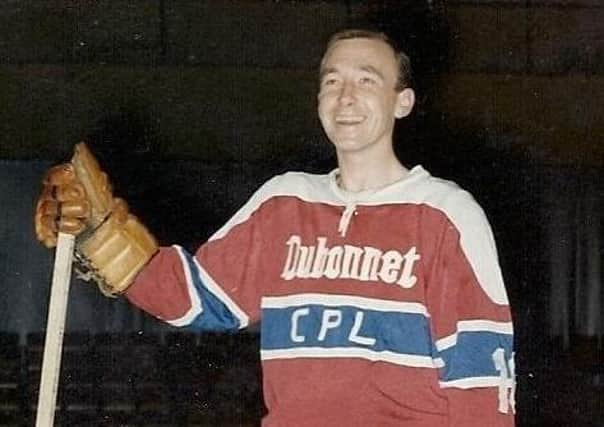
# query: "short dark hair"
405,74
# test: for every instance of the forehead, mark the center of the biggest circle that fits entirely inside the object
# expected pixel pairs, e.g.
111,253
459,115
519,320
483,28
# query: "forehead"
360,53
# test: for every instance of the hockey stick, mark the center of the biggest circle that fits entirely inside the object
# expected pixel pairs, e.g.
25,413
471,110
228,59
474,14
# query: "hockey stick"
55,327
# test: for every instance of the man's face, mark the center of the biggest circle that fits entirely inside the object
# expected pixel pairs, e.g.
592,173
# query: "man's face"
357,100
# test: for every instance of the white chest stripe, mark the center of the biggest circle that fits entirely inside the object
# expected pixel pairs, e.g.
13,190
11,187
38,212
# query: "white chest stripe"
366,303
360,353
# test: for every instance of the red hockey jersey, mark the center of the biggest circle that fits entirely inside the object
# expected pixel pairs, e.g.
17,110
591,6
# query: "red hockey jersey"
379,308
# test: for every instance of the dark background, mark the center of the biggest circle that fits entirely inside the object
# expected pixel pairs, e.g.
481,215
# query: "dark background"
191,105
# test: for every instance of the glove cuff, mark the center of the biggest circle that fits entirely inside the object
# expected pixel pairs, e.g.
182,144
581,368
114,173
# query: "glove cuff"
115,252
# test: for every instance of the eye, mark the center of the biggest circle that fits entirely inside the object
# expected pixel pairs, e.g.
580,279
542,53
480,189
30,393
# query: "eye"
330,81
367,80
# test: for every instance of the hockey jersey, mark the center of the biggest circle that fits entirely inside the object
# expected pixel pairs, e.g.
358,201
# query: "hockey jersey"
378,308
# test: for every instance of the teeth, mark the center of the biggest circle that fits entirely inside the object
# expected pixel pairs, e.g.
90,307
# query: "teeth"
349,119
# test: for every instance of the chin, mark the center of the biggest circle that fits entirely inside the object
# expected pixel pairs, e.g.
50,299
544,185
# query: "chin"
349,146
349,139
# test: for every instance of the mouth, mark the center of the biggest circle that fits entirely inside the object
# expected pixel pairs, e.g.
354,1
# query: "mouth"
349,119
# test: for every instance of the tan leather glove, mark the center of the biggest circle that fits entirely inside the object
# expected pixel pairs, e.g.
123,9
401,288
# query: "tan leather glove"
112,244
62,205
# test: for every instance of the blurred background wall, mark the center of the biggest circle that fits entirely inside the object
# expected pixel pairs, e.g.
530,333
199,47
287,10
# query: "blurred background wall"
190,105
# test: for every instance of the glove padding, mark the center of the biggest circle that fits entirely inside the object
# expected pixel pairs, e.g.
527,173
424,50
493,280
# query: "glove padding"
112,244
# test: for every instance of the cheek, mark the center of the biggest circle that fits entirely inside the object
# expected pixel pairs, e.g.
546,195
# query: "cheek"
385,109
322,99
323,109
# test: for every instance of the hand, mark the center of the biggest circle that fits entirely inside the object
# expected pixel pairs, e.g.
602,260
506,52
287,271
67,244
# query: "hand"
77,197
62,205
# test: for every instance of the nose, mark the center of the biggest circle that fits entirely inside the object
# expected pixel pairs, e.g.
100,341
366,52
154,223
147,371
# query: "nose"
347,94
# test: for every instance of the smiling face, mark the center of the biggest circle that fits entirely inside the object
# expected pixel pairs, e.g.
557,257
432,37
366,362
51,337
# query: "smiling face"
357,100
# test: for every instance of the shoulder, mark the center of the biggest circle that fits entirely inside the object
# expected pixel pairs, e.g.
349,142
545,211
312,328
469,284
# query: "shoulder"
293,182
469,222
440,194
301,185
457,204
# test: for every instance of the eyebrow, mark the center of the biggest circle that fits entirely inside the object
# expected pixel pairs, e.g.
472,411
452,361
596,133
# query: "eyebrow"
324,71
372,70
366,68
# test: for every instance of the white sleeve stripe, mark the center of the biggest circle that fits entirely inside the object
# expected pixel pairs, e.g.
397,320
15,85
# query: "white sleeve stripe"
475,382
485,325
474,326
217,291
447,342
196,308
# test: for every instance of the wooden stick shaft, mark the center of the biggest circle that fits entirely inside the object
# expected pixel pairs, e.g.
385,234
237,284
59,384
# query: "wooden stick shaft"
55,328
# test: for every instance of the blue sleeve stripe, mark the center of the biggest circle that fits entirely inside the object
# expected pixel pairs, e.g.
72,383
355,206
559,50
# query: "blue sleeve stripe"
472,355
211,309
216,291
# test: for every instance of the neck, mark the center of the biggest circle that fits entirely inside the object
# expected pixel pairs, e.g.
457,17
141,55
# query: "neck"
360,173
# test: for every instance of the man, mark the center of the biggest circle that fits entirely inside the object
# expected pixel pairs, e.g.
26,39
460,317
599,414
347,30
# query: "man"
378,288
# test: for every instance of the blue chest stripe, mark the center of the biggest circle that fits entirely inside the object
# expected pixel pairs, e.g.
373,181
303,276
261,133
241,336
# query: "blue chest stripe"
319,326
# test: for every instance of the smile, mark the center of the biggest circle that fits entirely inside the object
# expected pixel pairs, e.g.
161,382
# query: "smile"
349,119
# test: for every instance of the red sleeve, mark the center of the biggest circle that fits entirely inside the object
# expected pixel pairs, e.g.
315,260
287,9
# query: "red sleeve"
217,288
161,288
471,322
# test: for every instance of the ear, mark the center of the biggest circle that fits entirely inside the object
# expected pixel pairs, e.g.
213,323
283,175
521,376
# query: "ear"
405,100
